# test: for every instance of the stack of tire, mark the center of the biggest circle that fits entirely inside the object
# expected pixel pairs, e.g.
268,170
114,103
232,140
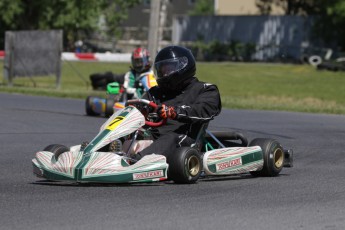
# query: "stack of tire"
99,81
331,65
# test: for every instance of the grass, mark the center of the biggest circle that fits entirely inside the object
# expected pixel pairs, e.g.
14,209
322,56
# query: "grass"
278,87
242,86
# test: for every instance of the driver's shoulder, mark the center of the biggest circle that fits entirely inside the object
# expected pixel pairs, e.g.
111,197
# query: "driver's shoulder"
155,90
204,85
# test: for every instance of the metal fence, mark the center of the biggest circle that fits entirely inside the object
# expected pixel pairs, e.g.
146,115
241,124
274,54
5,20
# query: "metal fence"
273,36
33,53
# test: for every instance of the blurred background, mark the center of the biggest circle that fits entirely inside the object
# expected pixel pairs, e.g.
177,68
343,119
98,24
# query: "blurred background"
47,38
241,30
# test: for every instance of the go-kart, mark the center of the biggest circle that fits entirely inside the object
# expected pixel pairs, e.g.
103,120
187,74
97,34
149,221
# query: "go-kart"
106,159
116,96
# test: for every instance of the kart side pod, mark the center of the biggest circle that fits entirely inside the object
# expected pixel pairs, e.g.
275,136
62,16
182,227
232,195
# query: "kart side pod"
263,157
233,160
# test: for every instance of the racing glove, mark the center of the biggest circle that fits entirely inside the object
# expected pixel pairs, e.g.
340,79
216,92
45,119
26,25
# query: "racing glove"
166,112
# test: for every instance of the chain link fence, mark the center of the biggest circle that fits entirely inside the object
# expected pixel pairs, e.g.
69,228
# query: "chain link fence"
33,53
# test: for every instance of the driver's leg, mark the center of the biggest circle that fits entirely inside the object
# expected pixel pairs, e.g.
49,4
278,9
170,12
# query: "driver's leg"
167,144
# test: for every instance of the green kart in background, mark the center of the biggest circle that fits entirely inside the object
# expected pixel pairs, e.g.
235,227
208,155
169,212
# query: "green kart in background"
116,97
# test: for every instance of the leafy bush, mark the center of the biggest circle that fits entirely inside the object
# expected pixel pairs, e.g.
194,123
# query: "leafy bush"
227,51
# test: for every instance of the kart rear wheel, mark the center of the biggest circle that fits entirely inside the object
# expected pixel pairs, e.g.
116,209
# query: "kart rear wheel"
109,107
185,166
88,107
273,155
57,149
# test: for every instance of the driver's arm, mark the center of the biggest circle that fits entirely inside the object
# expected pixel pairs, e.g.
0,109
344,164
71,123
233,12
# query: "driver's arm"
204,109
129,83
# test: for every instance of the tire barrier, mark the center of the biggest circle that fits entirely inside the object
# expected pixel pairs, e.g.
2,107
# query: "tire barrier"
100,81
315,60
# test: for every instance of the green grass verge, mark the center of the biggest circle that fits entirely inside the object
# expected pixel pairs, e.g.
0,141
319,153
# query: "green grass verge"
243,86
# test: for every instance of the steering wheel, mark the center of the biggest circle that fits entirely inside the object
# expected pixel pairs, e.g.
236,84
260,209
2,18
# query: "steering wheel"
150,104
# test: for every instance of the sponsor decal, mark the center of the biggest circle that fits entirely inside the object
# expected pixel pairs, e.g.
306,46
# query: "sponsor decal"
228,164
147,175
115,123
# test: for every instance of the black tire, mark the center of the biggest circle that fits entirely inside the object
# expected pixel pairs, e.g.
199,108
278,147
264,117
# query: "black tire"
118,78
88,107
57,149
273,155
185,166
98,81
229,139
109,107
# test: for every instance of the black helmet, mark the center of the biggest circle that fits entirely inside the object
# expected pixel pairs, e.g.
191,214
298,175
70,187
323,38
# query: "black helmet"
174,67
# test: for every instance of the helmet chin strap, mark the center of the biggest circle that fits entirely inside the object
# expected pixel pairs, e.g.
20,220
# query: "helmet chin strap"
183,84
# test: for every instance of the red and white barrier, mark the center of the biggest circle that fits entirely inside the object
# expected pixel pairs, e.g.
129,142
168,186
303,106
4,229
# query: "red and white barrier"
101,57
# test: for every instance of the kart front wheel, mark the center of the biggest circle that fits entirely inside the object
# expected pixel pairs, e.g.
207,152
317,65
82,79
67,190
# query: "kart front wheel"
185,166
57,149
273,156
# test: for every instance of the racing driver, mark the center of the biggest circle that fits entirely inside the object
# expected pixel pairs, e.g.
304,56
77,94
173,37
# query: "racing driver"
141,64
185,101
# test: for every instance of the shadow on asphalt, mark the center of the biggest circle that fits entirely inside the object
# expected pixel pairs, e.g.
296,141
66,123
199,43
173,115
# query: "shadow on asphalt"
64,184
152,184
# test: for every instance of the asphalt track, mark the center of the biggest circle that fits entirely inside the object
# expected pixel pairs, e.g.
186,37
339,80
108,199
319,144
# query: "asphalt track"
311,195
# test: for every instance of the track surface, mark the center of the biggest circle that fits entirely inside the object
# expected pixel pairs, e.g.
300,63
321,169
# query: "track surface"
309,196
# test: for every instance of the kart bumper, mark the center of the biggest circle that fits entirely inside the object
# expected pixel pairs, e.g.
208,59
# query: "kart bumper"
98,167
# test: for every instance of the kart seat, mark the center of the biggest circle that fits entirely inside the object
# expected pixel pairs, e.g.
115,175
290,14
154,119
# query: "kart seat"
199,140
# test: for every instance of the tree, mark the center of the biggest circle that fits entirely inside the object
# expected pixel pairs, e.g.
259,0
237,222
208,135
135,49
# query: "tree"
329,16
115,12
203,7
75,17
330,22
290,7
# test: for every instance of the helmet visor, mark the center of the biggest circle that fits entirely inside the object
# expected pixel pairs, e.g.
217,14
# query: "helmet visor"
137,63
170,66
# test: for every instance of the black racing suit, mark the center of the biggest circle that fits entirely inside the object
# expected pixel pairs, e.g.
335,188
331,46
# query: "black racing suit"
196,104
